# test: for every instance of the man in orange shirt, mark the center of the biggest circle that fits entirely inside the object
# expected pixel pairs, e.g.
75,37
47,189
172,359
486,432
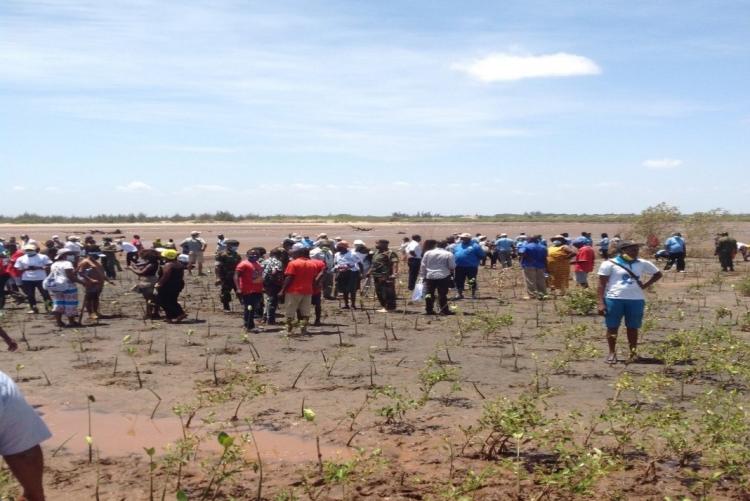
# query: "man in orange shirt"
584,262
248,281
300,279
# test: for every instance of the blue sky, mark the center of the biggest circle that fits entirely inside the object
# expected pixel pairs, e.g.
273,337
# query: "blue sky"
371,107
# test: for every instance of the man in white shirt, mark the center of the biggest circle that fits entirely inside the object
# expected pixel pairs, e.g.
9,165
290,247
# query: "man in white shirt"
34,268
21,432
196,246
436,269
621,295
130,250
414,259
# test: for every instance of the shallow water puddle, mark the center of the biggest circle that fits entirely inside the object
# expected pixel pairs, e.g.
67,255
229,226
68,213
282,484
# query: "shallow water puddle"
126,434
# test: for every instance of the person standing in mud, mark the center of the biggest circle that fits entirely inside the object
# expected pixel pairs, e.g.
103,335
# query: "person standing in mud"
384,271
109,261
93,271
226,262
147,269
726,249
169,286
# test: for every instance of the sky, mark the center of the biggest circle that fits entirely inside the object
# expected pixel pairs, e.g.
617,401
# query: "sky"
373,107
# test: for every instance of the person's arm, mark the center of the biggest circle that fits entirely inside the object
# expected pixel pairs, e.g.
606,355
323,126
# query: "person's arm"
236,279
654,278
165,275
73,277
28,467
12,345
423,268
601,307
395,267
287,282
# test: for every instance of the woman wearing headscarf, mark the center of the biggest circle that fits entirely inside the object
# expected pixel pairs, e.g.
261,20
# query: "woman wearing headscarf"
169,286
65,297
558,263
147,268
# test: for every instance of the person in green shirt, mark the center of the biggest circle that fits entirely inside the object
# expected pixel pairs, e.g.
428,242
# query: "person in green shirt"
384,270
226,261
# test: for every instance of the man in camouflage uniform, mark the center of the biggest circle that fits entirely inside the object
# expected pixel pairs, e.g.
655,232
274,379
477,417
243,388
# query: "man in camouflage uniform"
384,270
726,248
226,261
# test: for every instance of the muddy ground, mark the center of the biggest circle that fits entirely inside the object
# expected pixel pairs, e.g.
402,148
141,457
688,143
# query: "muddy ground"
233,381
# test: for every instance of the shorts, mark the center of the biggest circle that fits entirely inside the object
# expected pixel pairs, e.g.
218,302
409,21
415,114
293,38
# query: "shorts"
582,277
294,303
195,257
631,309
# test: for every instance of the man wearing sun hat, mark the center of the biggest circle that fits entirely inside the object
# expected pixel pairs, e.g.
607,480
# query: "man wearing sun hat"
196,246
621,295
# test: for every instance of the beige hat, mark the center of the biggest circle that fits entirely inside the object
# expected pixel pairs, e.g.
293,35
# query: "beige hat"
465,235
358,242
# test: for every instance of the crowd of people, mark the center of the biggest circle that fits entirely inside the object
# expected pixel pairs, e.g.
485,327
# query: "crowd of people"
317,269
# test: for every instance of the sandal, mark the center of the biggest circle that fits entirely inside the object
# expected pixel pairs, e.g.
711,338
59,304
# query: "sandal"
612,359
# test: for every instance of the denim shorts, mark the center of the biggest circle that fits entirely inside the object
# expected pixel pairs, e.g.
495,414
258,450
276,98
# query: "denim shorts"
631,309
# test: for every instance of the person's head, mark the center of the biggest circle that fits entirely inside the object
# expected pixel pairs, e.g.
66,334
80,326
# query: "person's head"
277,252
535,239
451,239
220,236
88,239
676,234
107,240
382,244
557,240
629,250
252,255
184,259
24,238
49,244
56,238
358,244
405,240
465,237
604,235
195,234
322,236
442,244
564,234
74,238
300,251
169,255
428,244
232,245
503,235
29,249
67,255
136,237
416,238
342,246
287,244
260,250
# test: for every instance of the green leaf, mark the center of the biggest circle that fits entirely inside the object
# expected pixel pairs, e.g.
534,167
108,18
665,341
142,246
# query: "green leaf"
181,496
225,440
150,451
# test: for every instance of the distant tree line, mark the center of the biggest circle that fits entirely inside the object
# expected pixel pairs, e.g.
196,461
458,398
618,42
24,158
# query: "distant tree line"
651,219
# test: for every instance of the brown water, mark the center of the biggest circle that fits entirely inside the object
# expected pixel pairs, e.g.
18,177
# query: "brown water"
123,435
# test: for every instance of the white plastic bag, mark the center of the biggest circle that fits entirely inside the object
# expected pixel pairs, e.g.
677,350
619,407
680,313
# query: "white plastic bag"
418,292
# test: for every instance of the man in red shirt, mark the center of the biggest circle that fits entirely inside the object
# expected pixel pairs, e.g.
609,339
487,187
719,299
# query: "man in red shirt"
300,279
584,262
248,281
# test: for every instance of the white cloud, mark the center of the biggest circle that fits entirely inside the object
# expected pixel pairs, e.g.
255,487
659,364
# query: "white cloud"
206,188
401,184
18,188
135,187
662,163
504,67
